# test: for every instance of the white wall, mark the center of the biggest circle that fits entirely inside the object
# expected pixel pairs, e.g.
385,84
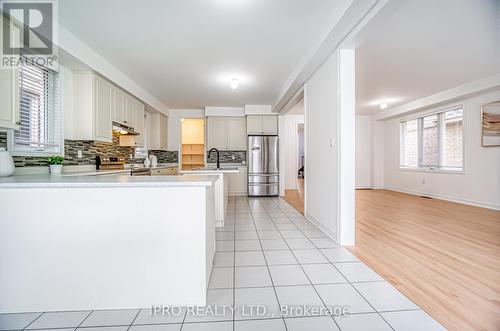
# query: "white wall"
480,185
300,139
363,152
174,124
321,133
290,149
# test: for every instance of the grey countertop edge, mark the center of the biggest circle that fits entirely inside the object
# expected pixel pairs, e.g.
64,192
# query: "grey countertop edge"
211,171
55,181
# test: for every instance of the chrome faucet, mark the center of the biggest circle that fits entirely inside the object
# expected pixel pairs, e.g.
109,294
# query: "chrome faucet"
210,152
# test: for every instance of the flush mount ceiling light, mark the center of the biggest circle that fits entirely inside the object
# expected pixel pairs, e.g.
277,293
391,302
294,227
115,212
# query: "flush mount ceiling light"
234,83
383,105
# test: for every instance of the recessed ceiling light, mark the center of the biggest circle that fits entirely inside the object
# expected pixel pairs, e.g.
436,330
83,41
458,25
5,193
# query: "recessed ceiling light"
384,105
235,83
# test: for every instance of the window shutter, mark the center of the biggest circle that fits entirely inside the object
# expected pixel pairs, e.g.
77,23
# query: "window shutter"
40,128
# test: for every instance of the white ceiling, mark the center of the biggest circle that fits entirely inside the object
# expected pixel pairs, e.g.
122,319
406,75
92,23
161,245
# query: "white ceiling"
185,52
428,46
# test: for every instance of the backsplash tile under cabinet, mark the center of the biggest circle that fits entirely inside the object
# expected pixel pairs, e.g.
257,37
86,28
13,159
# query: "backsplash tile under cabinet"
227,157
165,156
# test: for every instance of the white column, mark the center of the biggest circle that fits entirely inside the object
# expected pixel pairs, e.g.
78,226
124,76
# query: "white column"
347,165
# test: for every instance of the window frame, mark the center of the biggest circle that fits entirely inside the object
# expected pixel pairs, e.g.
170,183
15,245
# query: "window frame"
60,106
440,114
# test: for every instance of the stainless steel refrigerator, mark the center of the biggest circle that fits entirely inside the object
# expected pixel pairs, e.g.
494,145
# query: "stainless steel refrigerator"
263,173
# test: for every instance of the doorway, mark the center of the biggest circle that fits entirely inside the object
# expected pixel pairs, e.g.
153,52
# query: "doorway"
294,159
192,143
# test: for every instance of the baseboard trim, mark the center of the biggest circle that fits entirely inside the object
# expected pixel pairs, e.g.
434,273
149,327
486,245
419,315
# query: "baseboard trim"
239,194
323,228
446,198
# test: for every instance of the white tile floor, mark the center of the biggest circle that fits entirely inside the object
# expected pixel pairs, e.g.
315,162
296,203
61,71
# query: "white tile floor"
267,254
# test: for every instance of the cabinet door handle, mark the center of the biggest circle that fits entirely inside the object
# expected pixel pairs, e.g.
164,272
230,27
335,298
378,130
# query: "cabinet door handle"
18,122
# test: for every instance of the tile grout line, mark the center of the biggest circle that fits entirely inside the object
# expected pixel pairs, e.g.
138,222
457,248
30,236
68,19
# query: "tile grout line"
84,319
135,317
310,282
349,283
33,321
270,277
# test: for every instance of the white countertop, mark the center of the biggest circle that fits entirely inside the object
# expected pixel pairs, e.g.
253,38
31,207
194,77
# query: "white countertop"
210,170
128,167
116,180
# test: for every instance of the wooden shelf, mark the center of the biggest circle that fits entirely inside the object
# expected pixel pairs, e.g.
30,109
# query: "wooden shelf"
193,156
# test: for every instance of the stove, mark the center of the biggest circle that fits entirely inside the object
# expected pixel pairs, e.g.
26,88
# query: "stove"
109,162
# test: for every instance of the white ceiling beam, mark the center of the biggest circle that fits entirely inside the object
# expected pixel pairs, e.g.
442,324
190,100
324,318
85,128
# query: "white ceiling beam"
450,95
344,27
81,51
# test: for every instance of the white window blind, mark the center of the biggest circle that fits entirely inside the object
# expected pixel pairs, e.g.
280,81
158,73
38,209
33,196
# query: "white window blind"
40,128
434,141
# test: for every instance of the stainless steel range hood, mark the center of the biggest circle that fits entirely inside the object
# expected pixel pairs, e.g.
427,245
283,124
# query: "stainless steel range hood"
124,129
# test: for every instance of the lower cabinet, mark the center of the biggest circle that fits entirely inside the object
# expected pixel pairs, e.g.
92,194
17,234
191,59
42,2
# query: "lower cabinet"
238,182
164,171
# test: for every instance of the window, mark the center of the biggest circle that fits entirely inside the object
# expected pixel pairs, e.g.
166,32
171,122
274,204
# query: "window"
39,132
434,141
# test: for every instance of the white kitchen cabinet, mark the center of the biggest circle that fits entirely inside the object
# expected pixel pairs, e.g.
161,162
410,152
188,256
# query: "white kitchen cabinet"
226,133
93,107
262,124
158,132
238,182
129,115
270,124
9,90
119,105
216,131
139,123
254,124
236,133
103,103
9,98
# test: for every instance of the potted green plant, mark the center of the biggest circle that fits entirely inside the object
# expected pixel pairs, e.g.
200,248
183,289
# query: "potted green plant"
55,163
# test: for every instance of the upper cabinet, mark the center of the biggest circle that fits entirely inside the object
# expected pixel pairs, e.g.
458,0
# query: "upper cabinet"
139,122
9,88
129,115
9,98
97,104
119,105
237,138
262,124
216,132
93,107
103,106
226,133
158,134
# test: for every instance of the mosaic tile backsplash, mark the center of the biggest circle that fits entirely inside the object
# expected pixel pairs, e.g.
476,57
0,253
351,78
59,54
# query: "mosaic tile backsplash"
227,157
89,149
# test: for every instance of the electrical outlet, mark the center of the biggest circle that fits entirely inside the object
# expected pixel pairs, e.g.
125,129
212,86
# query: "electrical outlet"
233,157
130,156
80,154
423,181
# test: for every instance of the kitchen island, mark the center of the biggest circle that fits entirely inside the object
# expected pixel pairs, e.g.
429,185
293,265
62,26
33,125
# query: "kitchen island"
100,242
221,188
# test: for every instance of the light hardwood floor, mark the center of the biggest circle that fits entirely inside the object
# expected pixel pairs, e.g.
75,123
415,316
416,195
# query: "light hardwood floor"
444,256
296,197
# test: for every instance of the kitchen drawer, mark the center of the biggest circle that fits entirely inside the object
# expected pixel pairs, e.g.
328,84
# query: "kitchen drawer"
164,171
263,178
